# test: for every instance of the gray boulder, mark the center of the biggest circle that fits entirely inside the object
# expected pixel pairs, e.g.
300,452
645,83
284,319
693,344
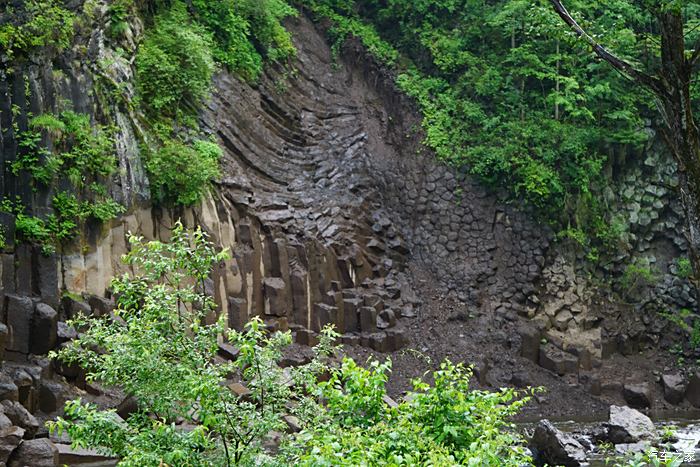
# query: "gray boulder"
40,452
637,396
674,388
627,425
10,437
21,417
552,447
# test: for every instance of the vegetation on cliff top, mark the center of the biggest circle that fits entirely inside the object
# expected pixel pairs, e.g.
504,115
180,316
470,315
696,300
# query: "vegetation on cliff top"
510,95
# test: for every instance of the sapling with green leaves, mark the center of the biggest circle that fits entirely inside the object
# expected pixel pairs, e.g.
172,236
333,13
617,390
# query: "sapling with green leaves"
158,347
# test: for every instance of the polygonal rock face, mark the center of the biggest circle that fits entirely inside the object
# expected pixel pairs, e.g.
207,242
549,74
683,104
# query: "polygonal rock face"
627,425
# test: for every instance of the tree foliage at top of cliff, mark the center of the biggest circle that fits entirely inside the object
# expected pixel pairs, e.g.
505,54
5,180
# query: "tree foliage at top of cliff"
514,97
34,25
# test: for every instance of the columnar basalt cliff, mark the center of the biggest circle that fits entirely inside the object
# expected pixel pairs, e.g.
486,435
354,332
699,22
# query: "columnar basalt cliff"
334,213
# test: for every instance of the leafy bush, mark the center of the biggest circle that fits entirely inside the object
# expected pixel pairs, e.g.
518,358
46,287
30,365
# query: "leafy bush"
637,277
81,152
443,424
45,23
684,269
180,173
118,13
238,25
174,64
158,348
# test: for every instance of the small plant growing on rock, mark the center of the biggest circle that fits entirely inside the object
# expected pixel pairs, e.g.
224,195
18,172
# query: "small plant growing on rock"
637,278
684,269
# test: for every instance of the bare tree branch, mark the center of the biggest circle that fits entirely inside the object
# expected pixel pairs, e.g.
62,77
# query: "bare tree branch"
641,78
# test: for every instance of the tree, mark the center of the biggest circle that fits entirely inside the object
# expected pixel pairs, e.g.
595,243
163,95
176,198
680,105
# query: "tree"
158,347
670,82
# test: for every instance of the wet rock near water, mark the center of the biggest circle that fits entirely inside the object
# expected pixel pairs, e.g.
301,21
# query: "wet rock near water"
627,425
550,446
674,387
638,395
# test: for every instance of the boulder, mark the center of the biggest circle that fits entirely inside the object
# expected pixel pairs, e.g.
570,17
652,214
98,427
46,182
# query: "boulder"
40,452
530,338
65,333
521,379
674,387
44,329
100,306
8,388
627,425
19,316
69,456
552,447
127,406
693,391
21,417
5,422
10,438
637,396
51,397
293,424
557,360
561,321
386,319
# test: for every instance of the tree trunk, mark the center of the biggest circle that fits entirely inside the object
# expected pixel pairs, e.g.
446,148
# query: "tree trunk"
680,130
671,87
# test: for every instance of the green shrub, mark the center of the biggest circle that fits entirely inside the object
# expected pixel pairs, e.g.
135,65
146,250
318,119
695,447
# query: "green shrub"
684,268
46,23
238,25
180,173
81,152
34,230
441,424
637,277
174,64
160,351
118,13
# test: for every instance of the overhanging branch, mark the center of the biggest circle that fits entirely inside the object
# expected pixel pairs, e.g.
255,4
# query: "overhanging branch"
641,78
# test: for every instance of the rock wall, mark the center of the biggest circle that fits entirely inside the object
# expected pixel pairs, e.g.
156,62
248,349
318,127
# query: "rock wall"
327,197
